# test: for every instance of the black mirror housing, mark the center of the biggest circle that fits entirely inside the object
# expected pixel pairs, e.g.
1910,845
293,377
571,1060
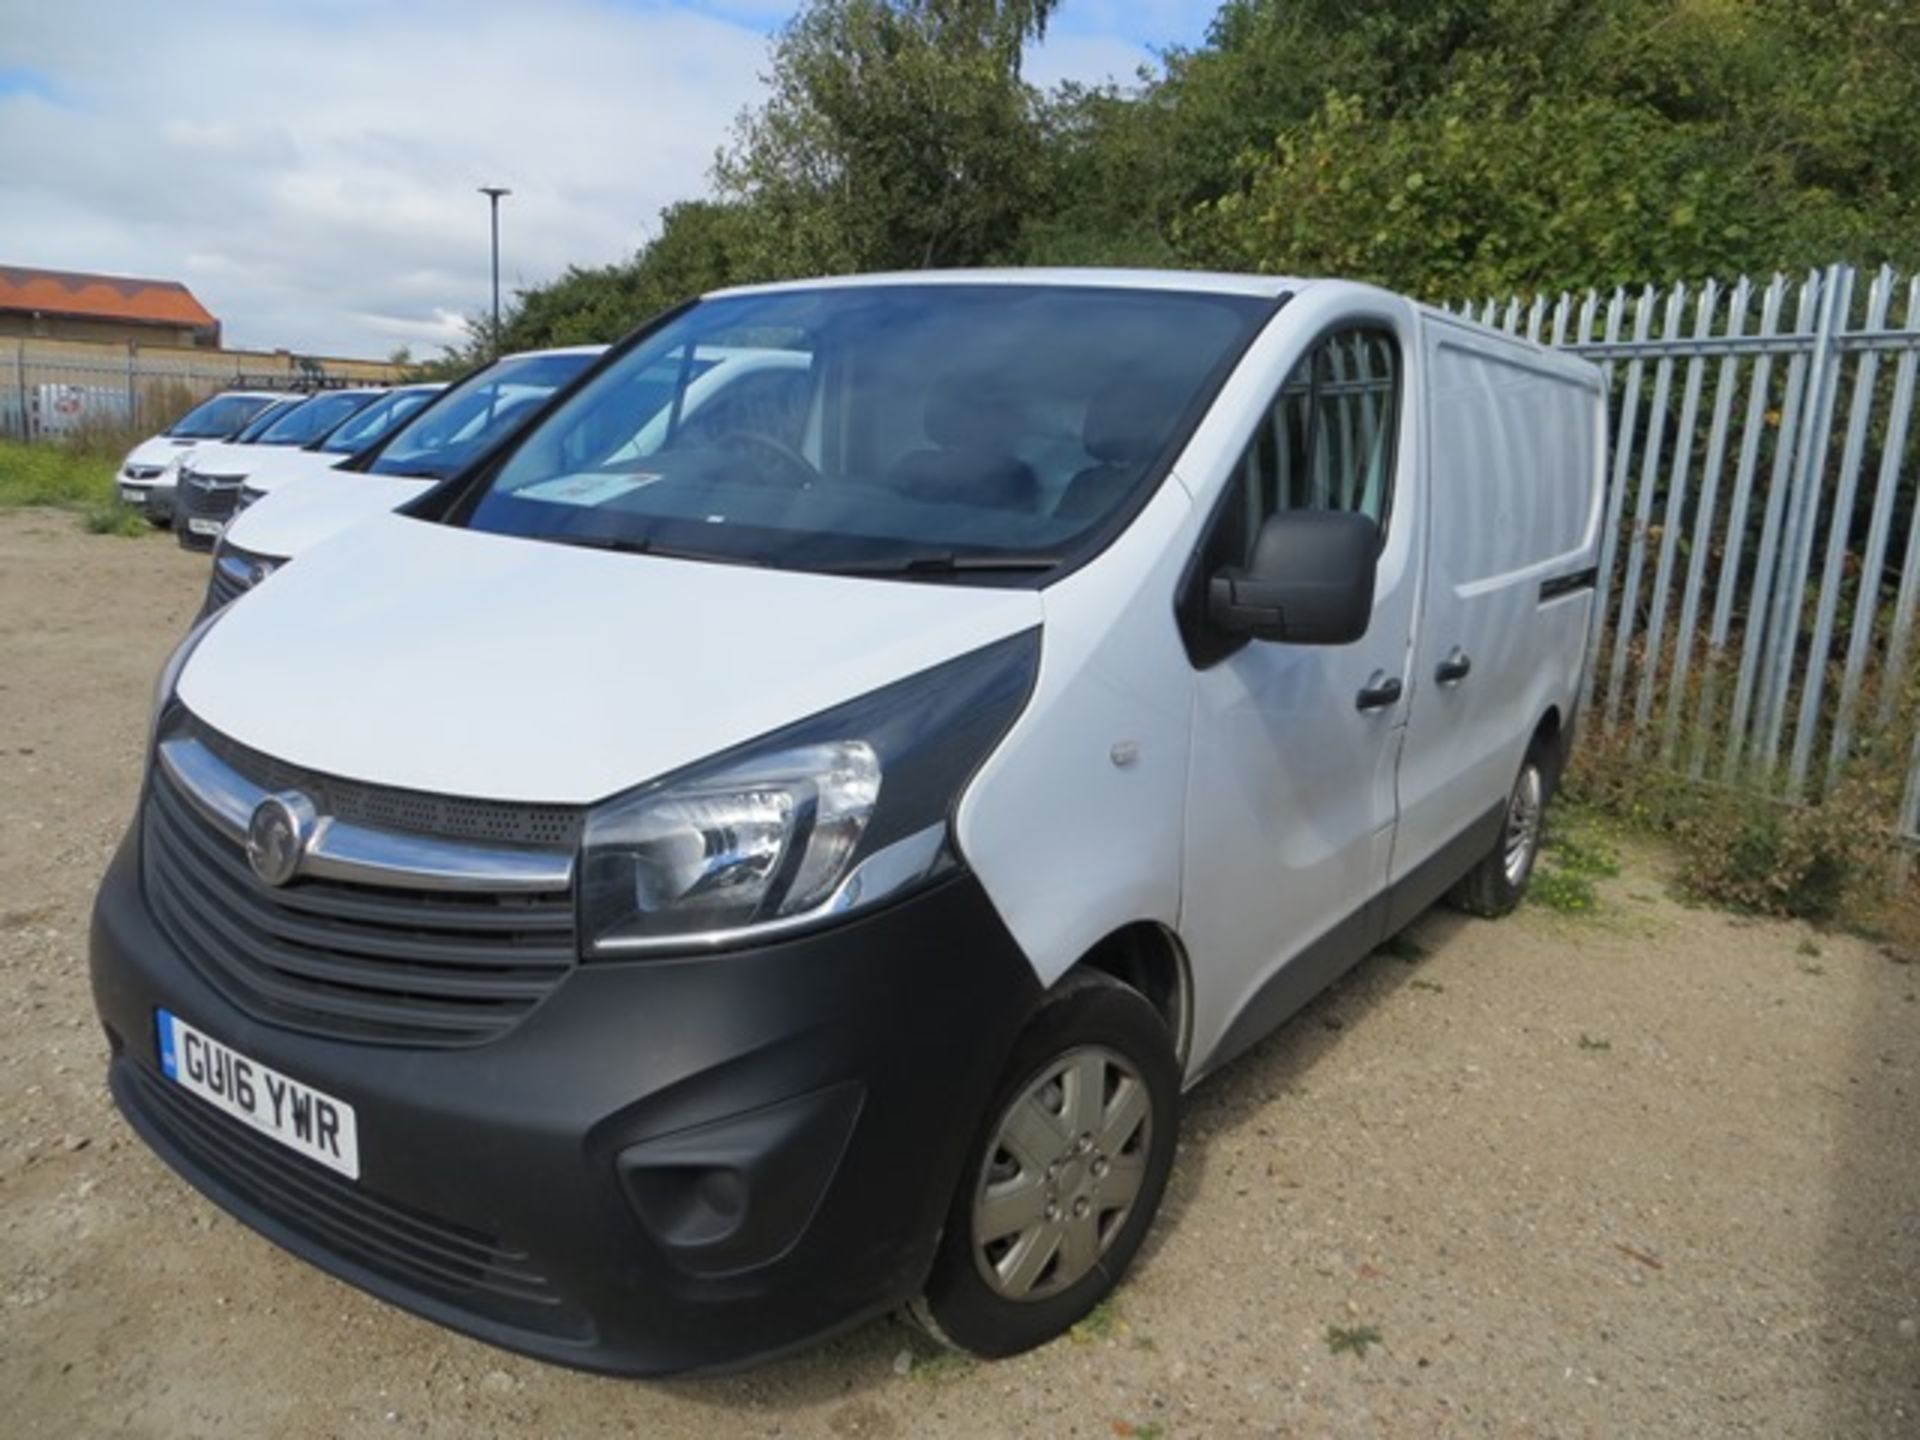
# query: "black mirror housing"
1310,581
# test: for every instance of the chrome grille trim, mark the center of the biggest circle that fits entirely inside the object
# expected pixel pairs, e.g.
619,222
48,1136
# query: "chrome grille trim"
357,854
358,962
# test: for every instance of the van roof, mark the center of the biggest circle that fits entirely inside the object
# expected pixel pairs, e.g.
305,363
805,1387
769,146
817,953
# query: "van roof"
1212,282
1208,282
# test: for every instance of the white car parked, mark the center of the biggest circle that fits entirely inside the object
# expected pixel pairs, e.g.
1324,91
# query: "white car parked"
146,477
685,886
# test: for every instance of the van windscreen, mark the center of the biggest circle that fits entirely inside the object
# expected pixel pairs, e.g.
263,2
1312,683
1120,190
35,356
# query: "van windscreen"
317,417
929,429
380,418
477,414
219,418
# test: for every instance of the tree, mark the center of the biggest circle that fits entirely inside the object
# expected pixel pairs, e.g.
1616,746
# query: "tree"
897,135
1494,144
1443,147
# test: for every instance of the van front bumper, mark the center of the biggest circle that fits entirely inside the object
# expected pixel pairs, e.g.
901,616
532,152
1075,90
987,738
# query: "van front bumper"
671,1164
150,497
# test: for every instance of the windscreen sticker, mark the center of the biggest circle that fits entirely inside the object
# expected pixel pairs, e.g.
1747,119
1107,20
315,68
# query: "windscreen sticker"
586,490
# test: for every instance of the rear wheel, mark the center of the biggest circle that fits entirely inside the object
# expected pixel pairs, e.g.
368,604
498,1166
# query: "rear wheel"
1064,1178
1495,886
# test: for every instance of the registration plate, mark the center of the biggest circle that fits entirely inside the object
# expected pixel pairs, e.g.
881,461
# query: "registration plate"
206,527
133,495
298,1116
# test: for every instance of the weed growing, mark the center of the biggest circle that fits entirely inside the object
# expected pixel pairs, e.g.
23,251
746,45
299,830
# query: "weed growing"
1404,948
1355,1340
110,517
1102,1322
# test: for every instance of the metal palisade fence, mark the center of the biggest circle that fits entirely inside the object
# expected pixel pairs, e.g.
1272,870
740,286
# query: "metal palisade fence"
1761,556
56,389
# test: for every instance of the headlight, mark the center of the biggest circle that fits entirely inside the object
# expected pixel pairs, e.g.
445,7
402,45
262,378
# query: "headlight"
238,570
828,816
169,678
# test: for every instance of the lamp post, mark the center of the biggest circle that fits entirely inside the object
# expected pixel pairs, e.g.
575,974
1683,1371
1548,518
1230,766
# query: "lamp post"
493,194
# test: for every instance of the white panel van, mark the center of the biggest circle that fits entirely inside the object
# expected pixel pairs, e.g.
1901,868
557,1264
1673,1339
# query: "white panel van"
281,515
711,872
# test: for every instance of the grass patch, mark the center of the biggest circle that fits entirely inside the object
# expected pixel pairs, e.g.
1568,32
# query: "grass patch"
1575,854
1102,1322
1594,1042
1431,986
943,1366
1563,892
54,474
1404,948
1355,1340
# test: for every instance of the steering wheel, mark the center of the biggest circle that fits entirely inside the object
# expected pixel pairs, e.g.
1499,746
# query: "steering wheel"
794,467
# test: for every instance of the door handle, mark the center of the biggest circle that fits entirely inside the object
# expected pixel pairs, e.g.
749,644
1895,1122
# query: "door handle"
1453,669
1381,691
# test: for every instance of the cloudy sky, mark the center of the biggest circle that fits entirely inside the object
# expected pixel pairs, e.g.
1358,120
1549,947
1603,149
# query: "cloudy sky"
309,169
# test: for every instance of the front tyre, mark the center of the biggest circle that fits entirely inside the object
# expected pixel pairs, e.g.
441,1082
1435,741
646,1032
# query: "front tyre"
1494,886
1065,1176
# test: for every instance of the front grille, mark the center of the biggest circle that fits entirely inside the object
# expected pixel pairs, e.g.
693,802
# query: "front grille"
359,962
419,812
205,497
419,1254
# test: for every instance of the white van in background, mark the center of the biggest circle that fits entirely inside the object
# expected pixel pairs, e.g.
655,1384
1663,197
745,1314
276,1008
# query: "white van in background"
146,479
688,884
439,439
359,434
484,411
210,476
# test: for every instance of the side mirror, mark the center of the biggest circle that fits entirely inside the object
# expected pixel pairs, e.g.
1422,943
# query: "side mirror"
1310,581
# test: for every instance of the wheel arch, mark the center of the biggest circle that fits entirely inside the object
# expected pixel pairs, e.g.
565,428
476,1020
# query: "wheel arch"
1148,957
1551,742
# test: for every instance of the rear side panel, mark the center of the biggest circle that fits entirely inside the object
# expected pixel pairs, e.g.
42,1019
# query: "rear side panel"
1516,438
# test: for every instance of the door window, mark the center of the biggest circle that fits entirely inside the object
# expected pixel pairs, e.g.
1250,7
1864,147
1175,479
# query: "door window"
1326,442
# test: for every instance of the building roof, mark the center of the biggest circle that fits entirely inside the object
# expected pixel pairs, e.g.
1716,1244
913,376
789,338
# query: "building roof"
102,297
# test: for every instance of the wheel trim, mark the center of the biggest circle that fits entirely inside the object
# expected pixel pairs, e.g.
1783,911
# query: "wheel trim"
1066,1163
1522,835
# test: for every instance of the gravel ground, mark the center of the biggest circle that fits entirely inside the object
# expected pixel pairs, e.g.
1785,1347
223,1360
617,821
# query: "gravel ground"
1649,1172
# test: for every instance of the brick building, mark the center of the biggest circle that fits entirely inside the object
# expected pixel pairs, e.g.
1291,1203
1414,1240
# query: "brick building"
67,305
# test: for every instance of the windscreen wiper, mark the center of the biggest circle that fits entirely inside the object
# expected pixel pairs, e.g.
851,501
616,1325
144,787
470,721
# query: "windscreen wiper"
946,562
643,546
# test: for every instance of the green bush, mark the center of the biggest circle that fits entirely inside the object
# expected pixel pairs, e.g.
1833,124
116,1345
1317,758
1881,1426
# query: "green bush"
1757,854
1739,847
